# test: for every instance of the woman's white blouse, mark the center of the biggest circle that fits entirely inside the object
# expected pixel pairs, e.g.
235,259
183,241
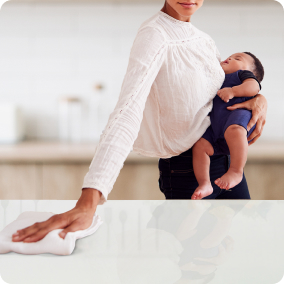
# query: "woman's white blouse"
173,74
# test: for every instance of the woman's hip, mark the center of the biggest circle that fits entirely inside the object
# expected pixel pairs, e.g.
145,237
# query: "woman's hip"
177,179
181,166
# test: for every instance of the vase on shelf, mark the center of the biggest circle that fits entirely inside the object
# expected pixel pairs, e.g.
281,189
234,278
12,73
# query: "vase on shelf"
95,112
70,119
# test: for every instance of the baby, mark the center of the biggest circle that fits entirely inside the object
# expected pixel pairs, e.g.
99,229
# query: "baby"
228,133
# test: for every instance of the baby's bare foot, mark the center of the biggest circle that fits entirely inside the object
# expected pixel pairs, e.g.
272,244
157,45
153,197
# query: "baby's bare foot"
230,179
202,191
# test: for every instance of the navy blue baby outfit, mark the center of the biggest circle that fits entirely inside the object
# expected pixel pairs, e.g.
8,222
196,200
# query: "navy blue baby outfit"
221,118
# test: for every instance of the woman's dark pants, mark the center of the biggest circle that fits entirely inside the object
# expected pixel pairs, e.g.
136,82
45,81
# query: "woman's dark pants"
177,179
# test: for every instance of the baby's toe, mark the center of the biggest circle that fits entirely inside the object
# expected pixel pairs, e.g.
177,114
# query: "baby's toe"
217,181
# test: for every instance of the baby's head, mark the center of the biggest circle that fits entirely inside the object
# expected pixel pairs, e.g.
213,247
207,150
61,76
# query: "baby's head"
243,61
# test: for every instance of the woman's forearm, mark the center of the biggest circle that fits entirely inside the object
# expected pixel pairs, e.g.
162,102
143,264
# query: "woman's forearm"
89,199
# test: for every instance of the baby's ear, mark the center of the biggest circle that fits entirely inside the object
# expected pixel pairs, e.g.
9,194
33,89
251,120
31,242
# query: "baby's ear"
251,69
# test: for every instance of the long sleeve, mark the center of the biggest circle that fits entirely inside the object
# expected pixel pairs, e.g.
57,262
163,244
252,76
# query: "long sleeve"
146,57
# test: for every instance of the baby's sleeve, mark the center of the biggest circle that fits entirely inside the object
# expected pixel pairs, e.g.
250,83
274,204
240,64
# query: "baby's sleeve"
146,57
245,74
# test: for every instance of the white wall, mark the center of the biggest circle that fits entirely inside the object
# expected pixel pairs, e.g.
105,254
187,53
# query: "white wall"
52,50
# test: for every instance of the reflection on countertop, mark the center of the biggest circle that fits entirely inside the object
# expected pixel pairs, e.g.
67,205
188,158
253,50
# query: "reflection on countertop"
172,241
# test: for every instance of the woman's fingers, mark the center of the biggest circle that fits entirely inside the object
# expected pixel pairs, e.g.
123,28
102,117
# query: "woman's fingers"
80,221
18,236
70,221
75,226
26,232
254,140
259,117
240,105
38,230
254,120
257,131
37,236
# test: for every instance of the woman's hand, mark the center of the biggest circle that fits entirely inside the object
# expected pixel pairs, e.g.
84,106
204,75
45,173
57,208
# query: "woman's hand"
258,106
78,218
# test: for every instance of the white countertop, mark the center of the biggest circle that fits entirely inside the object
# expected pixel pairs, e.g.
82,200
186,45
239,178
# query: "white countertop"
54,151
171,241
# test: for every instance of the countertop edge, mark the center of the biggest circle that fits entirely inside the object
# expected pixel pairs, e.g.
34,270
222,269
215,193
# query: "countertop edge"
59,152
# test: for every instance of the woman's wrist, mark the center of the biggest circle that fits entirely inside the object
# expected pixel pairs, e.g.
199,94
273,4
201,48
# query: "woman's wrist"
89,199
262,97
261,102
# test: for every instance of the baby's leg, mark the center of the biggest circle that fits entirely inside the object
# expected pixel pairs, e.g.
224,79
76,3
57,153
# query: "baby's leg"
236,138
201,152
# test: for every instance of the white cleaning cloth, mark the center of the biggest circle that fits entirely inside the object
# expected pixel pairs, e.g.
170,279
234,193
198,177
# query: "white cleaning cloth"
51,243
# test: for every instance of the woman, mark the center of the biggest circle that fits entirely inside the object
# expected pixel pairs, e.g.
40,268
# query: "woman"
173,74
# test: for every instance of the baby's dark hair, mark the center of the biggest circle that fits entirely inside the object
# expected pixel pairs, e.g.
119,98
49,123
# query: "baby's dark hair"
258,69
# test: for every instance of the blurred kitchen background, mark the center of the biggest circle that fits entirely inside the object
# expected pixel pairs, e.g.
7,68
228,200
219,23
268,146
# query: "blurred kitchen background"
62,64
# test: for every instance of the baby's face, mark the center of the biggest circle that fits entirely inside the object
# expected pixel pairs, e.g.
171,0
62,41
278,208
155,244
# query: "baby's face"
236,62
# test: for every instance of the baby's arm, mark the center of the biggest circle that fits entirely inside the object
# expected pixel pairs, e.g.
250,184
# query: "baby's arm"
249,88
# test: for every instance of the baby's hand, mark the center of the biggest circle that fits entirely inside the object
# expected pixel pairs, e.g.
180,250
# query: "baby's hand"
226,94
